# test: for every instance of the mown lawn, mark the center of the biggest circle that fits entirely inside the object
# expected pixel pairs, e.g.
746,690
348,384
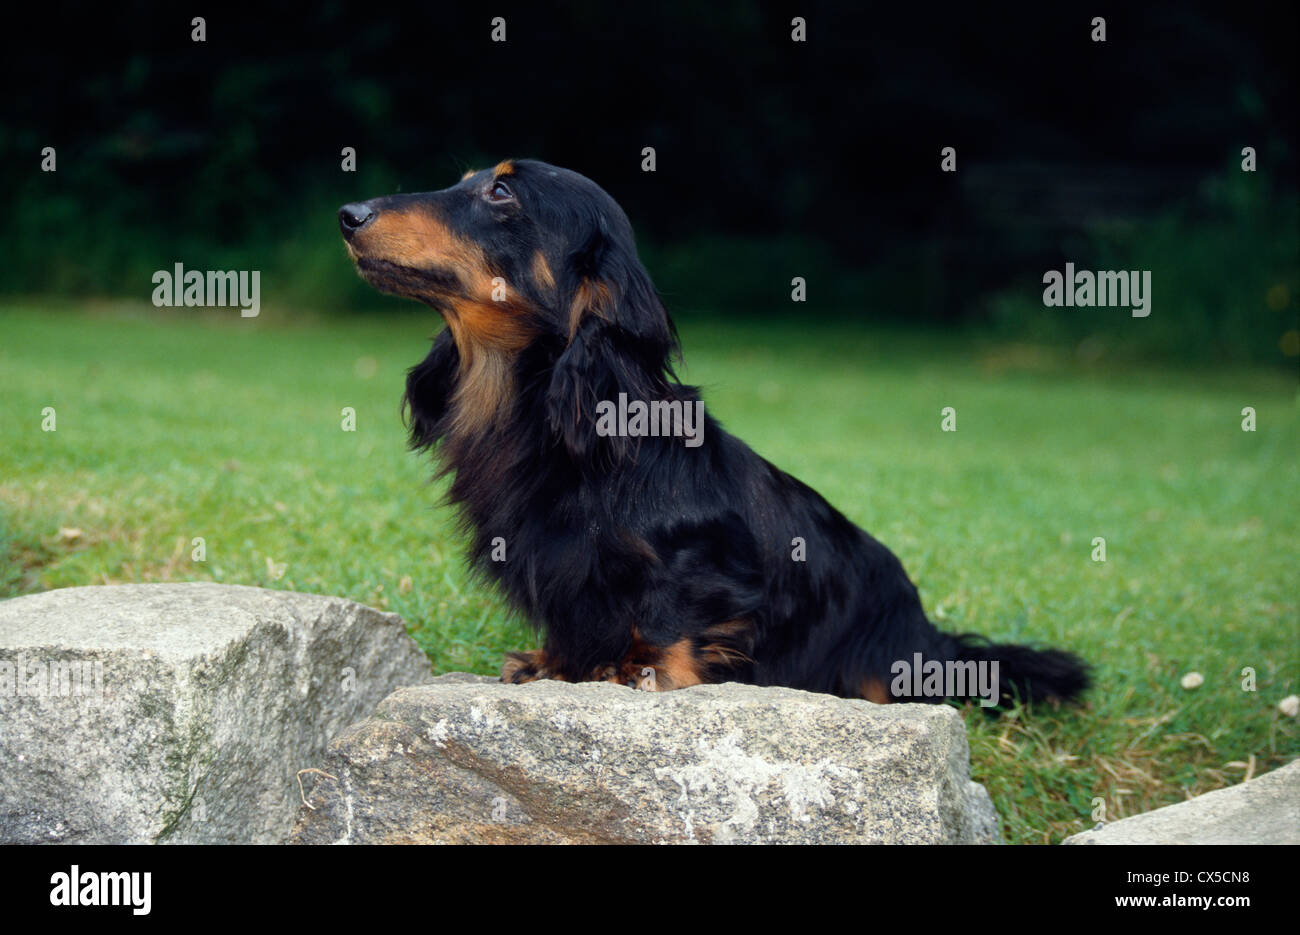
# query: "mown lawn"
207,425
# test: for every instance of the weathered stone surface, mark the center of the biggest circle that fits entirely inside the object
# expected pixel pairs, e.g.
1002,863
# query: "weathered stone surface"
469,760
189,709
1265,810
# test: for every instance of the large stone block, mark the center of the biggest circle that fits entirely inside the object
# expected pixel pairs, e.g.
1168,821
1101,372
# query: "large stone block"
1265,810
179,712
465,759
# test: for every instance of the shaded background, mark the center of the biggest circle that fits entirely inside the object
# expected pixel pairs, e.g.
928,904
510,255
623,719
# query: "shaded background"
775,159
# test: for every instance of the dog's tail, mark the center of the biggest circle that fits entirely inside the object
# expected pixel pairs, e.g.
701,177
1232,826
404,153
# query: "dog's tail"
1024,673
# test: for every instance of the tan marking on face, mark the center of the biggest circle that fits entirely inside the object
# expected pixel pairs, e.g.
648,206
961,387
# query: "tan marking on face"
468,173
416,239
500,324
487,333
503,168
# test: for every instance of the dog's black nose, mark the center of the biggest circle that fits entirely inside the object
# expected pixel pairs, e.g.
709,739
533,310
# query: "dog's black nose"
353,217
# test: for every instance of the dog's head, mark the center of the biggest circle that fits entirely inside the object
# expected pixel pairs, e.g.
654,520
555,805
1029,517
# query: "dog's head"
524,255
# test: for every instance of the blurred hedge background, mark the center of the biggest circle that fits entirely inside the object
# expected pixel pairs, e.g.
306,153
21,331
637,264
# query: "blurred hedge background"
775,159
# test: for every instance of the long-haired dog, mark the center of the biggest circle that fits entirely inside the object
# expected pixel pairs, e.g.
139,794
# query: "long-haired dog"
655,559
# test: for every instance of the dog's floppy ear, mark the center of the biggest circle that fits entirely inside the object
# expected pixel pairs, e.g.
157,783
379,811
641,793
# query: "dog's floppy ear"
429,386
620,338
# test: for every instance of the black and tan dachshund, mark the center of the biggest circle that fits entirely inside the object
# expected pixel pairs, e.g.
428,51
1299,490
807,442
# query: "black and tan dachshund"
655,559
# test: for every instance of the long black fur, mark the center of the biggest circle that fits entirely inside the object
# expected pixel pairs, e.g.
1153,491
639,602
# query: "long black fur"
610,540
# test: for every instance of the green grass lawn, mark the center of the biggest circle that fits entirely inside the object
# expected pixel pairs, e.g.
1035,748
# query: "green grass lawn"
172,427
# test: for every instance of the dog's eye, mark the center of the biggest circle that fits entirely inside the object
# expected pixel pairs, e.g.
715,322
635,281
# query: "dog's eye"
499,192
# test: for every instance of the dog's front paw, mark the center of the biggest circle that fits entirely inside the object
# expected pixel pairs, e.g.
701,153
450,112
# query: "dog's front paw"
526,667
633,675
